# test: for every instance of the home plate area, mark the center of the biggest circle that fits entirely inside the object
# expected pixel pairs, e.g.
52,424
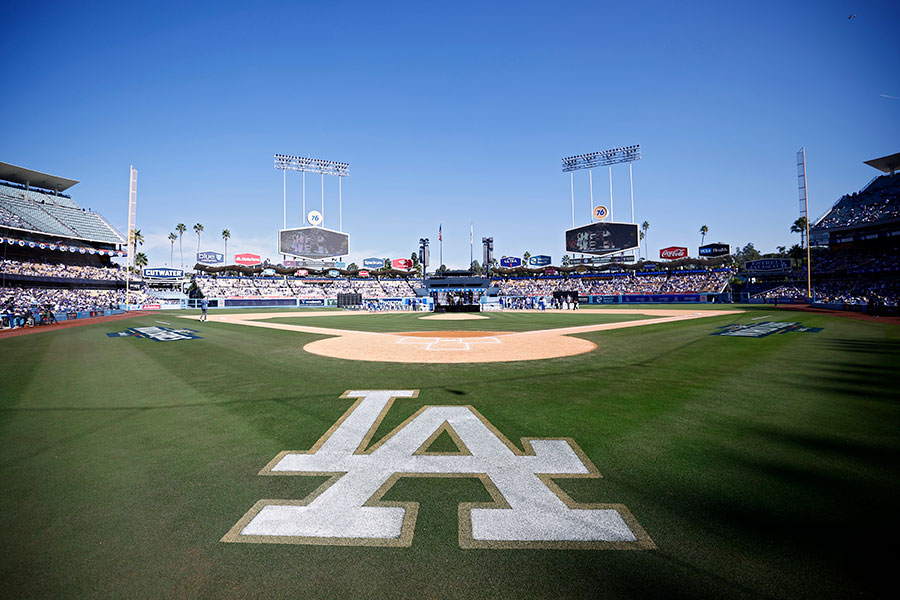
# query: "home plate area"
448,340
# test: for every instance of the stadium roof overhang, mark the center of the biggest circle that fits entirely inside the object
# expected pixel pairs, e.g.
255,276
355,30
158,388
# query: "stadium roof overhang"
25,176
886,164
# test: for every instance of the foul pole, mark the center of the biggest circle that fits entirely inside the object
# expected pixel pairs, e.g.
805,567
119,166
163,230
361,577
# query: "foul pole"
132,223
804,213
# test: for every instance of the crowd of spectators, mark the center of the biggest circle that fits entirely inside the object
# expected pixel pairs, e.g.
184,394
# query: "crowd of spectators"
311,288
19,305
859,261
58,269
879,201
674,282
885,292
788,290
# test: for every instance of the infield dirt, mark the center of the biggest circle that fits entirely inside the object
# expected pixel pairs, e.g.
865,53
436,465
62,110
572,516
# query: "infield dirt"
458,346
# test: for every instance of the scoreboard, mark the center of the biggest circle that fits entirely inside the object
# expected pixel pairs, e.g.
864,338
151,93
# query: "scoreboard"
602,238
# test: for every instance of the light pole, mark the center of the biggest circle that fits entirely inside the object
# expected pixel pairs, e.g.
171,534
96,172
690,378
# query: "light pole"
424,255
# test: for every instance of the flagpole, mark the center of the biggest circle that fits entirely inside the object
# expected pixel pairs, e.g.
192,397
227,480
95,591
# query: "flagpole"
471,241
441,240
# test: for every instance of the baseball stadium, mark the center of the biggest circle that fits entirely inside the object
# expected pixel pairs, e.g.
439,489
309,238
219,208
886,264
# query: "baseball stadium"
318,404
520,431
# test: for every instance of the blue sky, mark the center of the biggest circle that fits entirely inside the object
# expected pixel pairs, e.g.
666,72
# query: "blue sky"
451,113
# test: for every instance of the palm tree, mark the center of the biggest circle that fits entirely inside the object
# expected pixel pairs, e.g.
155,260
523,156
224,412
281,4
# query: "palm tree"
703,231
198,229
225,235
140,260
180,228
644,227
172,238
525,258
799,226
135,238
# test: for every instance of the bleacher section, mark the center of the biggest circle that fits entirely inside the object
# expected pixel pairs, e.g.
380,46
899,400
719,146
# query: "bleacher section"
305,288
53,215
879,201
660,282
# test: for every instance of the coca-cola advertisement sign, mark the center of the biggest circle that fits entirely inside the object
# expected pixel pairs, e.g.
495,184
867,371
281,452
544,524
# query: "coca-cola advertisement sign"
247,259
401,263
673,252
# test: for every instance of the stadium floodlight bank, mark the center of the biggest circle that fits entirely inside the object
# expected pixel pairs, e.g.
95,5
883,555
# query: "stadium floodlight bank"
601,159
311,165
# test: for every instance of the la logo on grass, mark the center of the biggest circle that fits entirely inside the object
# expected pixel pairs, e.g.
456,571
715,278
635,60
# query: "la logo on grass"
528,509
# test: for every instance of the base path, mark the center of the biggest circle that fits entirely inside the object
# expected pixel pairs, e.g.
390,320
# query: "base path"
458,346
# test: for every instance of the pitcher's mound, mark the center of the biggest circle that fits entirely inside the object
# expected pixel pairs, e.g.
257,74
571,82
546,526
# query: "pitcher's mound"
455,317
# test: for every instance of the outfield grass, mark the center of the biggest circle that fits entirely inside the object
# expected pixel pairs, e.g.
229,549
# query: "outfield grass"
762,468
508,321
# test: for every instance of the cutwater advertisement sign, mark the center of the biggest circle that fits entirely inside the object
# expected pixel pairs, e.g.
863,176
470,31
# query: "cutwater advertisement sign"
210,258
540,260
373,263
510,262
768,265
162,273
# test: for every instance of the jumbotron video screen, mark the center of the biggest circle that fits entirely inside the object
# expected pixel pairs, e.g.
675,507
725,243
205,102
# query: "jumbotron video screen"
313,242
602,238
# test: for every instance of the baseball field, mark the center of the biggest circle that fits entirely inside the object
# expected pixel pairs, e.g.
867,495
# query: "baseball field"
612,453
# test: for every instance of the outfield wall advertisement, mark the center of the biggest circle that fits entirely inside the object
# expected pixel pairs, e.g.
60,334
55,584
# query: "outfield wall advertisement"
712,250
673,252
210,258
162,273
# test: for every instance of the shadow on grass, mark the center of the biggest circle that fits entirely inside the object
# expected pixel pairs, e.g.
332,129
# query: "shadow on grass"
862,369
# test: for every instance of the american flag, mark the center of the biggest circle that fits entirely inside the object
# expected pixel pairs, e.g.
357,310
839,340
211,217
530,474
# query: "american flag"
441,233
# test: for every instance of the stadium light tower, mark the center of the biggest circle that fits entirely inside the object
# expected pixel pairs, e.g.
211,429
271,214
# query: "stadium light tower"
313,165
604,158
424,255
487,253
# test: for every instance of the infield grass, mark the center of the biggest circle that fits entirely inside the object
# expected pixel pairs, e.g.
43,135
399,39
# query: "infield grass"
762,468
